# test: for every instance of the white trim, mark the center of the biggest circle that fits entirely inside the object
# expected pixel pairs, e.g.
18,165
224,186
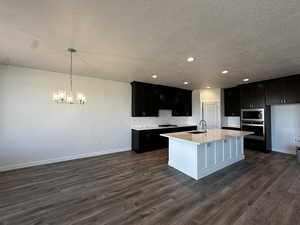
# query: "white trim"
61,159
286,151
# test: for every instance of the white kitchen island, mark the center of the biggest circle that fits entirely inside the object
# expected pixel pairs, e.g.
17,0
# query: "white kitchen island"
199,155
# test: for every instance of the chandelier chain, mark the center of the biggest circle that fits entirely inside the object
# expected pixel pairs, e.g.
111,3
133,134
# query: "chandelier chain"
71,72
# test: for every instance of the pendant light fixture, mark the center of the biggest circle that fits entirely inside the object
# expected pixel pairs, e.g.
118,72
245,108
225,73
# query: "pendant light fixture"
67,97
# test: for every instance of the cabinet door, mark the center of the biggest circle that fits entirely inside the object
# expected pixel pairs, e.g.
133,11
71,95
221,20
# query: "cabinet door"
151,101
166,97
252,95
144,100
232,101
188,103
149,140
182,103
245,96
258,95
292,90
179,105
275,91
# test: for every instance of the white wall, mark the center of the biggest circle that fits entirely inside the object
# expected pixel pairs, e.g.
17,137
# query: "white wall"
35,130
213,94
285,127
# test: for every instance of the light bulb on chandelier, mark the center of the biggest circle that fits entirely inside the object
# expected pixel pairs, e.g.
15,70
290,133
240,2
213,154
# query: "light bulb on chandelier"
67,97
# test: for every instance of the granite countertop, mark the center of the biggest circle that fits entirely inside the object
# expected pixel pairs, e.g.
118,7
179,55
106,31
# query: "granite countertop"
157,127
211,135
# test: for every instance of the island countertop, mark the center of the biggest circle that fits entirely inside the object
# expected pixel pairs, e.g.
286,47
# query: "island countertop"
211,135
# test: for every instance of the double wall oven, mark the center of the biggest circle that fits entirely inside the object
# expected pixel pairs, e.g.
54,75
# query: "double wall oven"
254,120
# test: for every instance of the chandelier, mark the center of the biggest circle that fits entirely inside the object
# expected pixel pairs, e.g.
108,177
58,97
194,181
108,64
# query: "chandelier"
67,97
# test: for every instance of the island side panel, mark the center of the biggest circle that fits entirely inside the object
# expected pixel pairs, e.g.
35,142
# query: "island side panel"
183,157
214,156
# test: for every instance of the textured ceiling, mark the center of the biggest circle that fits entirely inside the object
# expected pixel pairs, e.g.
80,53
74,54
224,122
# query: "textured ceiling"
128,40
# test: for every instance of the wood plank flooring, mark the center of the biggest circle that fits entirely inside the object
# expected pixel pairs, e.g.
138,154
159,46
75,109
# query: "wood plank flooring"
140,189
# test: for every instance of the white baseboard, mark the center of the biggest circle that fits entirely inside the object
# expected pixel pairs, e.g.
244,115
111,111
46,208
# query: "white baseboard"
60,159
286,151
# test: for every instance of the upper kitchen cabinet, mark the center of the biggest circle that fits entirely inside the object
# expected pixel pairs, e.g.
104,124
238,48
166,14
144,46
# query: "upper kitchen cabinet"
292,94
252,95
182,103
283,91
145,100
166,97
232,101
275,91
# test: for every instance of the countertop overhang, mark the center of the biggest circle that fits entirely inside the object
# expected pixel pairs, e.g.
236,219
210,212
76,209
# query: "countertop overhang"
211,135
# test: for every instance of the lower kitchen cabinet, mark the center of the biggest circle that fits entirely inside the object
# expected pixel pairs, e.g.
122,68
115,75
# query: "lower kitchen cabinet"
231,128
146,140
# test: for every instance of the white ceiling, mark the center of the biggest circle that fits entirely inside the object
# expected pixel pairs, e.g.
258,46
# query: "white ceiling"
128,40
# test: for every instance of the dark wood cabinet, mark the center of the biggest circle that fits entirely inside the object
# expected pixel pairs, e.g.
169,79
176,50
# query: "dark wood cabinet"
231,128
147,99
146,140
292,93
275,91
232,101
252,95
166,97
283,91
182,103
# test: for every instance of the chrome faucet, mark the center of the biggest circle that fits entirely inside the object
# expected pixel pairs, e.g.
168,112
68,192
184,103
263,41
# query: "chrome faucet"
203,124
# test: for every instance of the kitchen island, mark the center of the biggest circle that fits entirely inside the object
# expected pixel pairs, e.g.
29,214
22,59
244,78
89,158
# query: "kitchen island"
201,154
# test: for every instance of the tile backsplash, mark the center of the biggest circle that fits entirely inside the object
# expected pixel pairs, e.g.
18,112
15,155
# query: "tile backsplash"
231,121
165,117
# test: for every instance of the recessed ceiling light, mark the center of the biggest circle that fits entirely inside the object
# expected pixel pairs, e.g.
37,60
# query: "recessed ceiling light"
225,71
246,79
190,59
208,87
154,76
185,83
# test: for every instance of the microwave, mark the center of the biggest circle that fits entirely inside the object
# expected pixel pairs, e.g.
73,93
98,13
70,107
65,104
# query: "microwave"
252,115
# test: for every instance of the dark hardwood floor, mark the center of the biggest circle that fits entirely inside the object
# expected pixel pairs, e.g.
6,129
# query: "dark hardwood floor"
128,188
